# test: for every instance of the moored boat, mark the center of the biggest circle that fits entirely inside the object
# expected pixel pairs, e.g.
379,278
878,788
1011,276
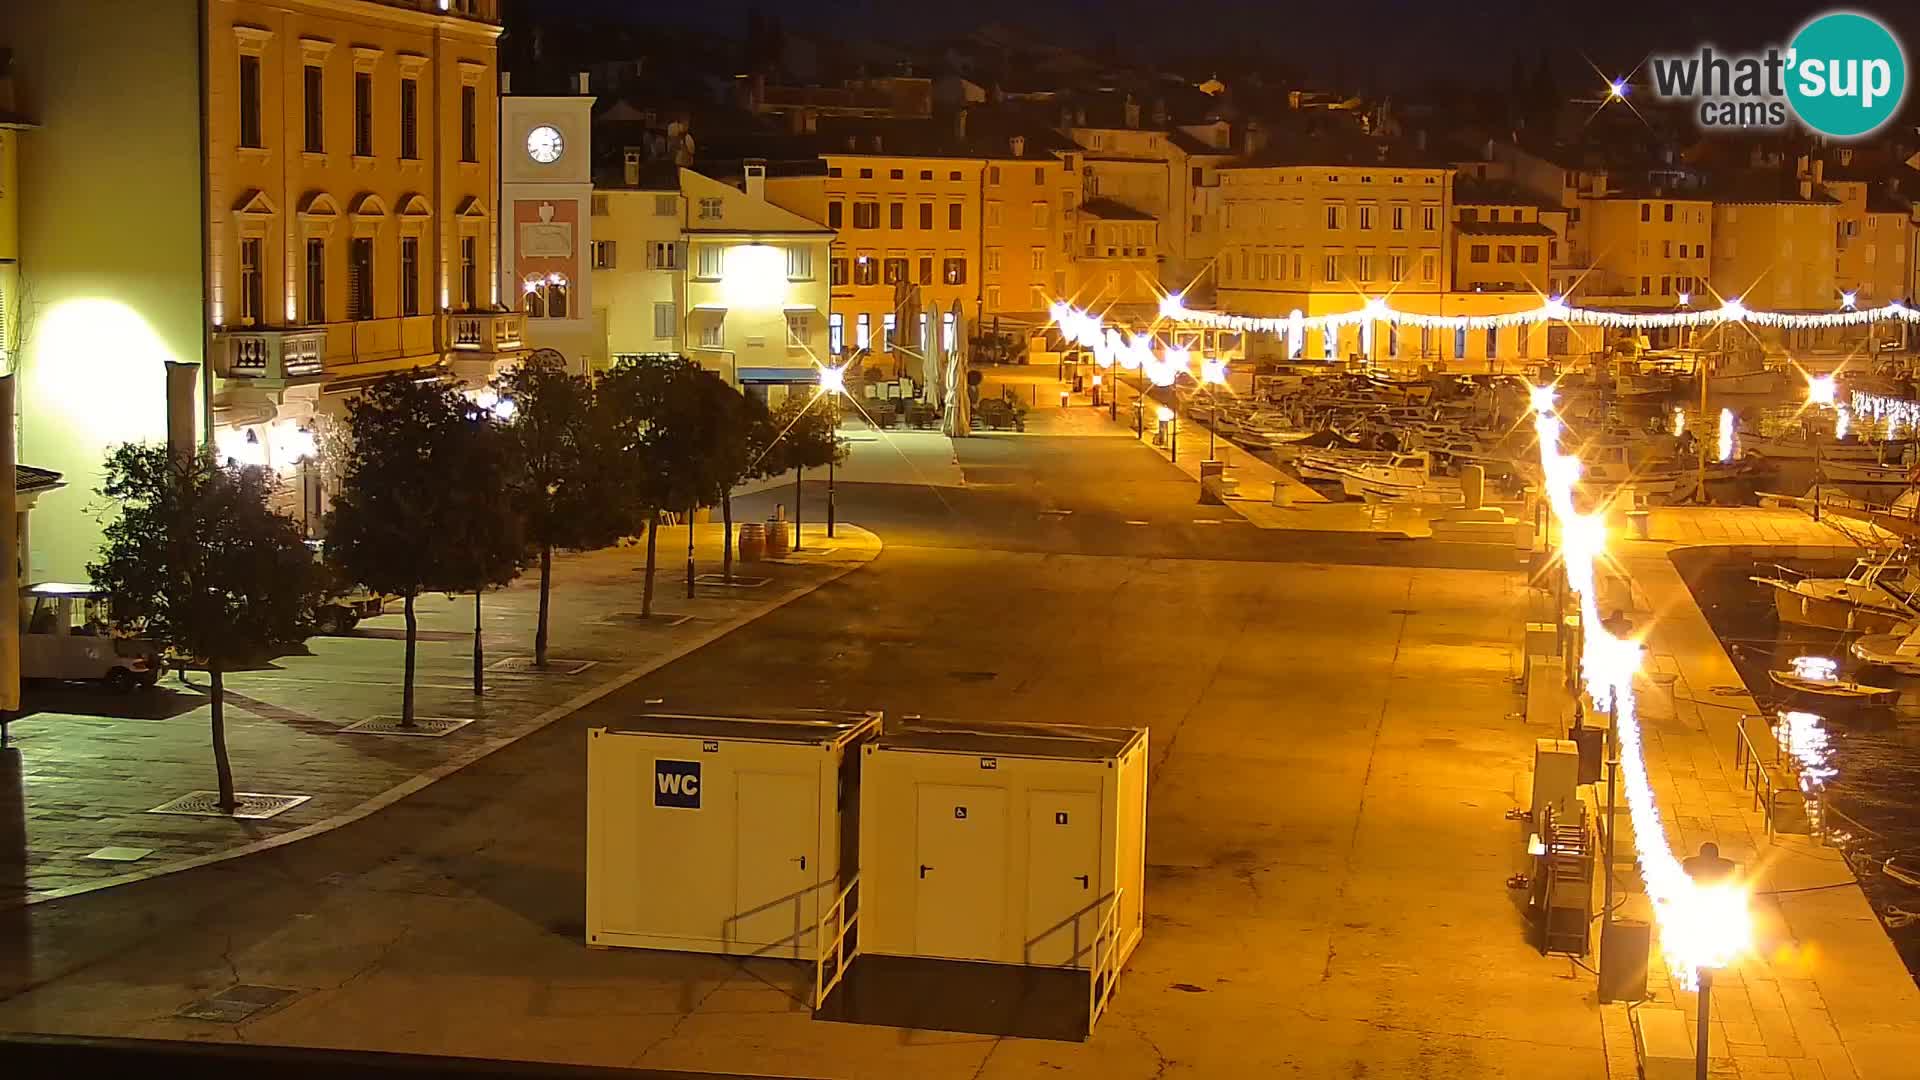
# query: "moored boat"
1815,681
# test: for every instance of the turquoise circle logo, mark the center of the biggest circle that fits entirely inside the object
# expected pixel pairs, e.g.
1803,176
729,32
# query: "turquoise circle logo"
1847,74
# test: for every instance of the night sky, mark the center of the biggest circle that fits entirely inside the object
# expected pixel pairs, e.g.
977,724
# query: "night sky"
1471,42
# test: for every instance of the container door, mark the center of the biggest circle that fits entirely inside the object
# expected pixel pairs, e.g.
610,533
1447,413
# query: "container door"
777,864
961,845
1063,877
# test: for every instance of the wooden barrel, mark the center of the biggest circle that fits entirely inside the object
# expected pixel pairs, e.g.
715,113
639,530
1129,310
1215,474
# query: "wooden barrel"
778,541
753,541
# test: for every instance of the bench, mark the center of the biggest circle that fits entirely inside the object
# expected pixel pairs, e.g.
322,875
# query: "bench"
1660,1040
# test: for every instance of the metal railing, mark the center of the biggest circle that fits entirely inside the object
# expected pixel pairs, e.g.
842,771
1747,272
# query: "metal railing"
1106,960
1755,772
841,916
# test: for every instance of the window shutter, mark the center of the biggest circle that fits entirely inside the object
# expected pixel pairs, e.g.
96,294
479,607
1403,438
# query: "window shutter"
679,254
653,256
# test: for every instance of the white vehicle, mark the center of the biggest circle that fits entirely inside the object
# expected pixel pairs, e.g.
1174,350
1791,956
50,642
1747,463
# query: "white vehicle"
65,635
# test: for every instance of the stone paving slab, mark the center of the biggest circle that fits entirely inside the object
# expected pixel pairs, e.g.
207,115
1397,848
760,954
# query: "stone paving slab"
91,764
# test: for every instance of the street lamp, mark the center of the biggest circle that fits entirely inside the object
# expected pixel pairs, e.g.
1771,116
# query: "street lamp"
1170,423
1708,870
833,382
1820,394
1213,375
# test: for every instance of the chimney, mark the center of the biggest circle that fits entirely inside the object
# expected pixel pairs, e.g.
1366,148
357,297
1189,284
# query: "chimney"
755,176
876,144
1819,171
1253,139
1800,166
1159,112
1080,116
853,142
1066,117
1018,144
630,168
960,123
506,86
1133,112
581,83
1806,187
1420,140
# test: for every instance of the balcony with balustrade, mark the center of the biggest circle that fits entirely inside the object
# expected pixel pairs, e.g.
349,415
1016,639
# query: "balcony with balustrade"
480,343
270,357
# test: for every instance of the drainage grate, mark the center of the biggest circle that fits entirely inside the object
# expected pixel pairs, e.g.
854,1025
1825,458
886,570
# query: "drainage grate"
973,676
658,618
120,854
254,806
236,1003
523,665
811,552
429,727
740,581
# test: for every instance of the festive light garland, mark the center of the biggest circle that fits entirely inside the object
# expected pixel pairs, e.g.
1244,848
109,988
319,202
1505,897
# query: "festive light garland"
1897,412
1701,926
1553,310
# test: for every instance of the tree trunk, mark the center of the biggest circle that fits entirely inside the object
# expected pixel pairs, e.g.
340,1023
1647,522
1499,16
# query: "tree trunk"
406,685
797,473
479,649
646,596
726,548
222,768
690,512
546,593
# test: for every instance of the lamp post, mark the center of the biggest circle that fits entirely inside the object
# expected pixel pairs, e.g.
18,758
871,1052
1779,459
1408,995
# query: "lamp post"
1170,421
1213,375
1820,394
833,383
1706,869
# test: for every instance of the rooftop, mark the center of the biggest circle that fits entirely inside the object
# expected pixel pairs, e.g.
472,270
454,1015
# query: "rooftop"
1113,210
1502,228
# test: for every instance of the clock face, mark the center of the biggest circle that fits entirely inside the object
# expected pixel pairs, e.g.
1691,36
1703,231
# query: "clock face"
543,145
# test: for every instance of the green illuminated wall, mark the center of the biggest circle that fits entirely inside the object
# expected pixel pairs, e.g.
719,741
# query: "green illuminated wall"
110,279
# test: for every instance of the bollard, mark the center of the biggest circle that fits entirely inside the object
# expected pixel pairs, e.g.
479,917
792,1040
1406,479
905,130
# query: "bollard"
1282,493
1473,486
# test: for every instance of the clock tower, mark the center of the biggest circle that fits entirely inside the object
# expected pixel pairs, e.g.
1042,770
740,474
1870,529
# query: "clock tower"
546,219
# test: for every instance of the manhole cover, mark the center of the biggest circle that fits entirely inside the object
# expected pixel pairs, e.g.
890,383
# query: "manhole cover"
972,676
236,1003
804,552
524,665
658,618
254,806
740,581
1404,611
120,854
428,727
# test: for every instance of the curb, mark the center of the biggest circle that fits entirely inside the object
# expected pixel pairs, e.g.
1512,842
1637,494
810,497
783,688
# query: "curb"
453,765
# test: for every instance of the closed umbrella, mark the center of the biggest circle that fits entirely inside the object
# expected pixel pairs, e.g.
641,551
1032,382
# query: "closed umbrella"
957,421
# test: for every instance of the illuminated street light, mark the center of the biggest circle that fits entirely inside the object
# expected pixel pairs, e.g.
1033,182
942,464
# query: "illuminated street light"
833,383
1820,390
1846,299
1686,299
1617,90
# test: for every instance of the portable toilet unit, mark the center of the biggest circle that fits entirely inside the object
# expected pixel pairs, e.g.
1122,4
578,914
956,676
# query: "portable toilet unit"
1006,843
721,834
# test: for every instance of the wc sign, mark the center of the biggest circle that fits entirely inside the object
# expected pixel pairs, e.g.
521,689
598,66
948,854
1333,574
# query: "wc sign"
676,783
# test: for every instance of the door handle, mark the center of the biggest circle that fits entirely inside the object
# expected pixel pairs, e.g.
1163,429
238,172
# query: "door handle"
923,870
1082,879
802,860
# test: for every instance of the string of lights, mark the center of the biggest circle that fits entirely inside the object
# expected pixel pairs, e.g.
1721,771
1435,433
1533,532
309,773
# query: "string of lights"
1554,309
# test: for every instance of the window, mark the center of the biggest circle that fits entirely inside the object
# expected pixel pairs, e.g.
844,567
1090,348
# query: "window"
316,280
1646,286
1666,249
866,174
1196,224
663,319
251,292
838,270
1429,218
410,118
1668,208
833,170
1399,218
835,214
1042,215
315,142
993,213
409,275
897,215
469,123
1493,342
1332,268
1460,343
1666,285
1297,275
713,332
1038,261
1333,215
888,323
1477,253
1037,298
866,215
1397,268
1330,344
1646,211
799,330
469,273
1521,336
1505,254
954,175
993,298
1530,253
666,255
666,205
993,258
603,254
710,261
893,271
711,208
897,174
953,215
993,174
360,278
953,271
799,263
250,101
926,174
1366,216
363,113
861,325
926,215
1366,268
866,270
1699,251
926,269
946,332
1198,177
837,333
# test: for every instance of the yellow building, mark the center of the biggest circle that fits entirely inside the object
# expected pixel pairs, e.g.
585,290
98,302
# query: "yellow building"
1774,247
756,288
1648,250
1171,174
639,263
1872,235
1027,218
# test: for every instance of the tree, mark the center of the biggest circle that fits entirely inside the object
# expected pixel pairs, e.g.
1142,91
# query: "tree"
487,518
197,563
565,488
659,452
741,455
413,488
806,436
